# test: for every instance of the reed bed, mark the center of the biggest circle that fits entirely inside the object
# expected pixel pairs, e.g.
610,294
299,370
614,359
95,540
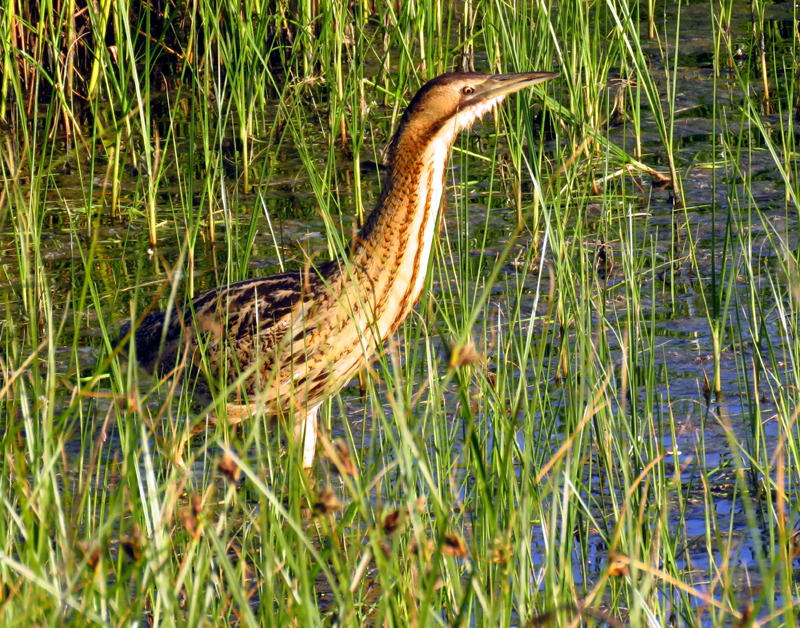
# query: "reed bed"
589,420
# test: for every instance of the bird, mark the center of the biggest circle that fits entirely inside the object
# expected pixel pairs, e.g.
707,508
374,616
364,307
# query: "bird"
284,343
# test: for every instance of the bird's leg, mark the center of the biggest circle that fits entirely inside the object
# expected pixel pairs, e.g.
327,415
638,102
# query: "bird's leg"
305,432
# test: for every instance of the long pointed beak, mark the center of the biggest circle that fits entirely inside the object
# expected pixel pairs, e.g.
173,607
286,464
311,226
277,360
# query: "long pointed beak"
498,85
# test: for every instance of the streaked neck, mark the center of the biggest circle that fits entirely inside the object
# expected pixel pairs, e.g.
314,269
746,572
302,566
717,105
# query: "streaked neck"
394,247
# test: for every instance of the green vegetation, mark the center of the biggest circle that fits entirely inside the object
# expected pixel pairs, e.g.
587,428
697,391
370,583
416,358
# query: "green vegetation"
511,459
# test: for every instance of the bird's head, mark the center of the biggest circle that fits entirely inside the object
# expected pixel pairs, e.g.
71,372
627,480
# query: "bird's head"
452,102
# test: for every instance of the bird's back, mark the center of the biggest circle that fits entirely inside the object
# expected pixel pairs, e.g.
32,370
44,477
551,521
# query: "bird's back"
237,335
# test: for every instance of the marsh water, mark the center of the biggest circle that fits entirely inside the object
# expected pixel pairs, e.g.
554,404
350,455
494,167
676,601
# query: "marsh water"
631,212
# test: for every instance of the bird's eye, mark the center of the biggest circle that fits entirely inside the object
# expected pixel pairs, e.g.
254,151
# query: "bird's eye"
467,90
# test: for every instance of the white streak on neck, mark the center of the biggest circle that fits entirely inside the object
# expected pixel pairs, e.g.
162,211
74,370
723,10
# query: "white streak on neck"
422,231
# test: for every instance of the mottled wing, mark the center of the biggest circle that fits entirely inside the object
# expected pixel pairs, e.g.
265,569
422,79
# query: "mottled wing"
239,323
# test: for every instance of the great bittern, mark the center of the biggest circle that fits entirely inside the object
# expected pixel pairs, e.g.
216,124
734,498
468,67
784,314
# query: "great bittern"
289,341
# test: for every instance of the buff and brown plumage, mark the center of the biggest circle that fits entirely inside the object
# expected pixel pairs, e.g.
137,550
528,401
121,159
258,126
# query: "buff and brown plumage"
283,344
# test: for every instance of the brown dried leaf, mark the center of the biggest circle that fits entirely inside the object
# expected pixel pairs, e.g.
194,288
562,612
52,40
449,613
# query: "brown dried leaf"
197,504
228,467
133,543
464,355
618,564
454,545
189,520
327,502
90,552
393,521
342,460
